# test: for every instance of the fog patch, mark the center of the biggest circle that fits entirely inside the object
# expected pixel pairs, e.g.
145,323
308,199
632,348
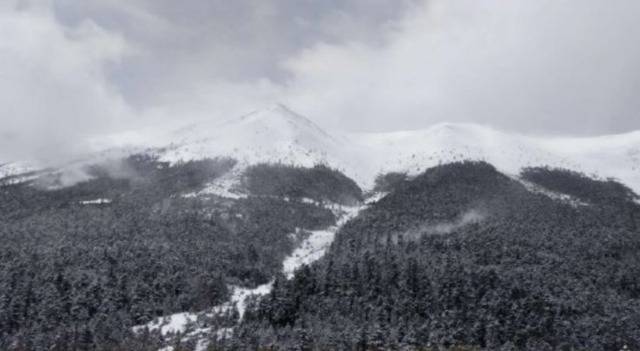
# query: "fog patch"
58,179
119,168
469,217
82,171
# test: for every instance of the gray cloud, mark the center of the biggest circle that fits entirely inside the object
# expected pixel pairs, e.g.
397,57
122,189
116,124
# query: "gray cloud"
570,67
182,42
71,69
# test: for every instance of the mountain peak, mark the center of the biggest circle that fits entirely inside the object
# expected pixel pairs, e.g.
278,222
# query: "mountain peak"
280,108
276,111
273,134
280,117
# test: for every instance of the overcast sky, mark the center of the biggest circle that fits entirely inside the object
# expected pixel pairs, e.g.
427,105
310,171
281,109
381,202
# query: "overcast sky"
75,68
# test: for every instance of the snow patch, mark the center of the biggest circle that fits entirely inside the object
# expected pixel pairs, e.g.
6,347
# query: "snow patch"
175,323
311,249
554,195
96,202
227,185
18,179
317,244
241,296
17,173
15,168
375,197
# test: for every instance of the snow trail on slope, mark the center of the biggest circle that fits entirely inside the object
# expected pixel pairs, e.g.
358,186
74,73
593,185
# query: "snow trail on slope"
317,244
554,195
310,250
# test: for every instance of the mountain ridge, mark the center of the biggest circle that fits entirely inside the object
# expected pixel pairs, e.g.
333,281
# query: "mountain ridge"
277,134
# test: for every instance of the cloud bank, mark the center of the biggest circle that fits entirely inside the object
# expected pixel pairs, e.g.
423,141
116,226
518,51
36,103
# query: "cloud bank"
73,69
570,67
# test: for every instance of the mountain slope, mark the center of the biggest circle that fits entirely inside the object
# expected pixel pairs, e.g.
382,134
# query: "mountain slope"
103,255
447,260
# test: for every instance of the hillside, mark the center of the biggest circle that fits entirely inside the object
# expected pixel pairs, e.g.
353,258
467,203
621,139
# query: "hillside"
81,265
447,259
458,255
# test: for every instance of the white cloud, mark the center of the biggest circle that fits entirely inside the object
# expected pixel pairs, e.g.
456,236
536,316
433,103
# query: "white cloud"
53,87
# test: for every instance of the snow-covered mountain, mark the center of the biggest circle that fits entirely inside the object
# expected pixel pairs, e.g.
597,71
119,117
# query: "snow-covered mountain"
277,134
250,230
615,156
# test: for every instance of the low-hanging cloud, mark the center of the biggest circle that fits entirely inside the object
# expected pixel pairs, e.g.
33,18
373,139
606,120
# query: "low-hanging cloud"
469,217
